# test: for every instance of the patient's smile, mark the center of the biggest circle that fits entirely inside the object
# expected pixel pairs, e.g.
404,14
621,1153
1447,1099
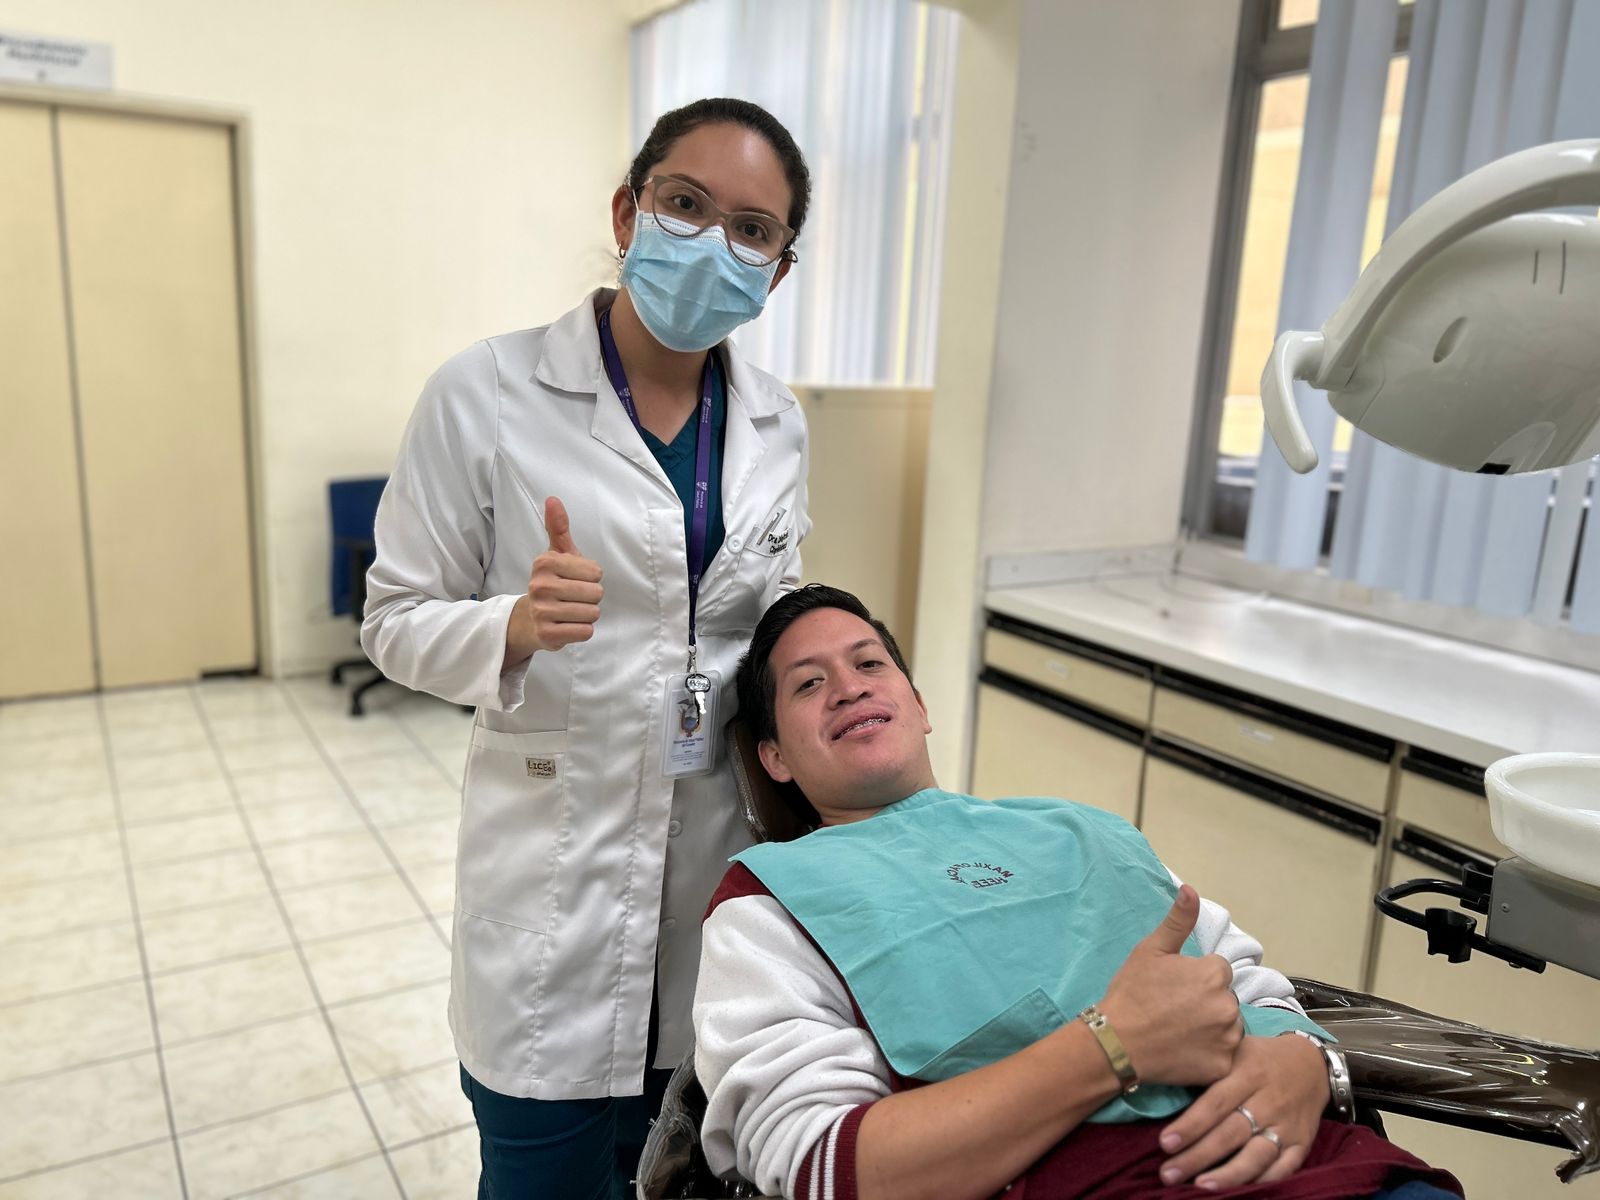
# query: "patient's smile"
861,725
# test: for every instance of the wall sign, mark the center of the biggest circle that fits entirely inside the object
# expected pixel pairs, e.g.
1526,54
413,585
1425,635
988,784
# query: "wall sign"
32,58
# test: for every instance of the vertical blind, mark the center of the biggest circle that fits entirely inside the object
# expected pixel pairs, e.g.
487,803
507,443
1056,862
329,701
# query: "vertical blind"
1486,78
866,88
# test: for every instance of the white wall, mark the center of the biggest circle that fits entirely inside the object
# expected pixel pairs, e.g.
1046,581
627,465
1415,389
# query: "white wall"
421,175
1061,414
1121,115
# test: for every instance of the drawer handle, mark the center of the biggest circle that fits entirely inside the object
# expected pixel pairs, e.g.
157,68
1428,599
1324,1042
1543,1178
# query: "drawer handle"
1057,667
1255,733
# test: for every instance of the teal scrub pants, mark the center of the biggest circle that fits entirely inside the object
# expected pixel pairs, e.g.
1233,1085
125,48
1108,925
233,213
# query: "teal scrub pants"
577,1149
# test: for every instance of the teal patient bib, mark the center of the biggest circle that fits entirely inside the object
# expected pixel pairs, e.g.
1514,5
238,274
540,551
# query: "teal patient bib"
967,930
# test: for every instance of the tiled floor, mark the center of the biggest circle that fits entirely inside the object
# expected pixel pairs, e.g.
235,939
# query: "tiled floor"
224,929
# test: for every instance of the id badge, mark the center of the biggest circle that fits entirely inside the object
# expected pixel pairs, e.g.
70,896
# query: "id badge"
689,746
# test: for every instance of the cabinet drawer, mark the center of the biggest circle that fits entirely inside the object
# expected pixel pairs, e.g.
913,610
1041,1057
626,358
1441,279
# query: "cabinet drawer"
1448,800
1026,747
1122,692
1260,738
1295,873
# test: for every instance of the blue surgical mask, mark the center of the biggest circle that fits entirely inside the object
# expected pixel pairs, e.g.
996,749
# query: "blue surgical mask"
690,292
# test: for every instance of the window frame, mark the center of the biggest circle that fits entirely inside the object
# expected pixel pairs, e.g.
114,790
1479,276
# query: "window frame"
1264,53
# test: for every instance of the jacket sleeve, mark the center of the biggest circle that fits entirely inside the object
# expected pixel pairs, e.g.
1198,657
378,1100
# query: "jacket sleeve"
1252,982
787,1071
427,624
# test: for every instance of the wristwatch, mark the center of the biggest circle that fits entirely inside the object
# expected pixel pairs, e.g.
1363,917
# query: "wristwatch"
1341,1093
1116,1052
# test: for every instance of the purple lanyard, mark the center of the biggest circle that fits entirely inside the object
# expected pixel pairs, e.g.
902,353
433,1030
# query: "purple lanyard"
702,460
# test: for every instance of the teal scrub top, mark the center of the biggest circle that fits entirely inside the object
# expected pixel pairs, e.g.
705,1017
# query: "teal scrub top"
677,460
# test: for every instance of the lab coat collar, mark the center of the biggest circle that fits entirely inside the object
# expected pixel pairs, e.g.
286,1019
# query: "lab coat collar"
570,362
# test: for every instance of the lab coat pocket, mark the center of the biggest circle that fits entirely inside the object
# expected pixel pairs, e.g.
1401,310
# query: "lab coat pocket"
772,536
1015,1028
513,822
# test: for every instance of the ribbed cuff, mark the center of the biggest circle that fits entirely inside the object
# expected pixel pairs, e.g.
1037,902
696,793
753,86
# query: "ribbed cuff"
828,1172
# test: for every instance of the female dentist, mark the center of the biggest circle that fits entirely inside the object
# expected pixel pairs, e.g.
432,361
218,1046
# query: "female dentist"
583,526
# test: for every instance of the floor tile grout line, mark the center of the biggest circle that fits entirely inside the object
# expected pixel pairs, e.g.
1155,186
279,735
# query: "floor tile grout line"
286,1105
217,1035
36,1172
295,888
304,1175
68,1068
144,956
63,993
391,1076
298,1014
387,993
51,934
406,1144
110,826
225,961
305,963
427,752
372,826
261,951
272,1111
431,1137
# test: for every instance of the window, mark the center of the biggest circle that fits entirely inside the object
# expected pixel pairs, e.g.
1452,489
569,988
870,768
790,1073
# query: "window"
1511,561
1275,164
867,89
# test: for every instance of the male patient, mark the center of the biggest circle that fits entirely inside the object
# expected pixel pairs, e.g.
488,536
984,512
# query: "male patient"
934,996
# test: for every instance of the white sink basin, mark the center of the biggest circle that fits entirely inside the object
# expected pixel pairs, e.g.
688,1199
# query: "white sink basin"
1546,808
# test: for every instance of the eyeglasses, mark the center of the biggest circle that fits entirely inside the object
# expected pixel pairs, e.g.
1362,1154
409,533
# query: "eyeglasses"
685,211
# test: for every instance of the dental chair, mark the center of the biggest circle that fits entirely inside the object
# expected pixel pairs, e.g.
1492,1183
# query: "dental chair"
1401,1060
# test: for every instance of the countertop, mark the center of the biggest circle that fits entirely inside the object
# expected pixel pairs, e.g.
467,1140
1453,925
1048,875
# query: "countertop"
1470,702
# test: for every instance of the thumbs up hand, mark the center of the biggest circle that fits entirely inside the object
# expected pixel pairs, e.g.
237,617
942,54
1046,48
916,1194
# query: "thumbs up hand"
1178,1017
563,600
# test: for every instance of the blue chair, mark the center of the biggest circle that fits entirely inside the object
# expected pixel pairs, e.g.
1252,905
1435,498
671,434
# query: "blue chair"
353,509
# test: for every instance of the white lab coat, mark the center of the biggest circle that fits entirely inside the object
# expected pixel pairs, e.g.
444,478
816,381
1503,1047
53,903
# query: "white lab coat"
581,873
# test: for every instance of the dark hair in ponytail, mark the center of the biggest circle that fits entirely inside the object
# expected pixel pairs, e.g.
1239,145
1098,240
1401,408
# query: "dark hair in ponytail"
727,111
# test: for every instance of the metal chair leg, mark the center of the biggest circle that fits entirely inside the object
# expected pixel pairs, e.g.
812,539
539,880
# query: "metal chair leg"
355,696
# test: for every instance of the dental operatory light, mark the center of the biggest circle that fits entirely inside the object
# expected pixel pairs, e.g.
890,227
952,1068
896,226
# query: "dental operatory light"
1472,338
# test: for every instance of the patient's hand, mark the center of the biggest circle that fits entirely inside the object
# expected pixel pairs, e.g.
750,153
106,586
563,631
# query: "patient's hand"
1283,1081
1177,1016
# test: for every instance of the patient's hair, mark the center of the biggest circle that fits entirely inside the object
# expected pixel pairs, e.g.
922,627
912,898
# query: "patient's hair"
757,689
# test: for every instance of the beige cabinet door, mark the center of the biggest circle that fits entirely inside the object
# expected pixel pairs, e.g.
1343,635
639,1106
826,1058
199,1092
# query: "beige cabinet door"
44,607
1024,748
151,261
1301,886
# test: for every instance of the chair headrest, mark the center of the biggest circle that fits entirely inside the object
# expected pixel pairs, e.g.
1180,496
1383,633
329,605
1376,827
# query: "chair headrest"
775,812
